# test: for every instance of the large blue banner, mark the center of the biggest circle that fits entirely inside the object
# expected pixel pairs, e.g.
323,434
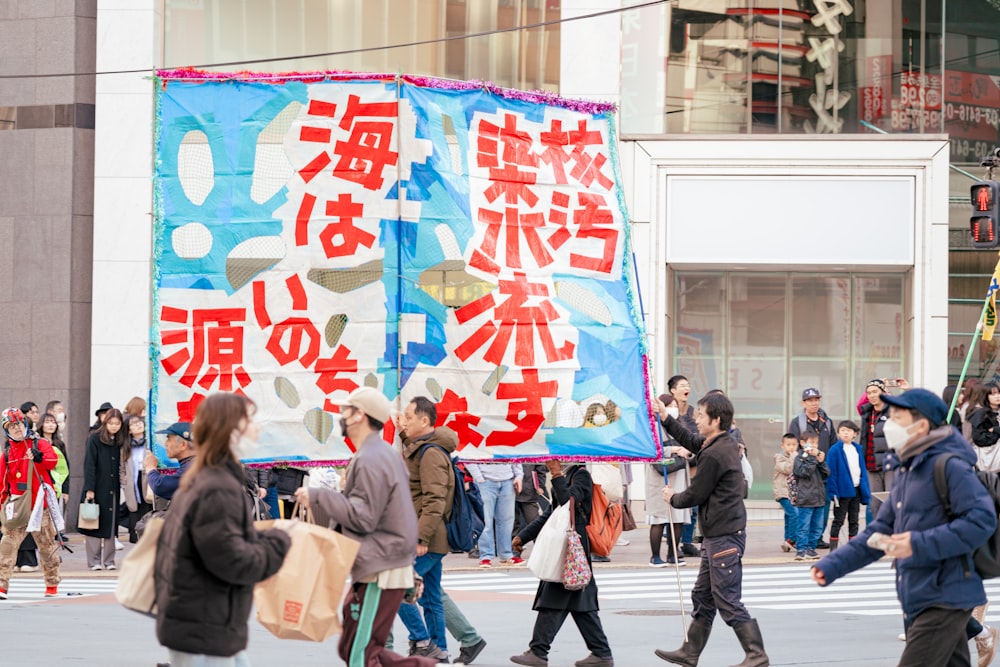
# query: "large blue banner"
317,234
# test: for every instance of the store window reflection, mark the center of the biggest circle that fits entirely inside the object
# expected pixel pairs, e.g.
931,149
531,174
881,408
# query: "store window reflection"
815,66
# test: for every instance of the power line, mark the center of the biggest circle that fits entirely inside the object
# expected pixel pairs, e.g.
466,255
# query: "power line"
425,42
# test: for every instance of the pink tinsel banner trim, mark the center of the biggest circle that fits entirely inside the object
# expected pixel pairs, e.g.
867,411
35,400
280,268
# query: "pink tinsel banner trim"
191,75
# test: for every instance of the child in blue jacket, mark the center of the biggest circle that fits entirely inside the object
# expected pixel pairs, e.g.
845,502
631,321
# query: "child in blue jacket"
847,485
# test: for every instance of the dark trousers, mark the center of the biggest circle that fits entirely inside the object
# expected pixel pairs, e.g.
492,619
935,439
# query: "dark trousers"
848,508
936,636
719,585
134,517
547,625
524,514
368,615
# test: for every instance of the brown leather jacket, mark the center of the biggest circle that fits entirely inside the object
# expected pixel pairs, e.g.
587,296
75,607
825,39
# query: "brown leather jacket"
432,485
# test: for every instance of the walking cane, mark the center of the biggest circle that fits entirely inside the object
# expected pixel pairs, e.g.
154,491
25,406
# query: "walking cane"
677,567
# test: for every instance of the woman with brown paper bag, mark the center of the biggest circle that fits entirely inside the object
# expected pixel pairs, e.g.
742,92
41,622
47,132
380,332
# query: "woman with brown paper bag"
210,555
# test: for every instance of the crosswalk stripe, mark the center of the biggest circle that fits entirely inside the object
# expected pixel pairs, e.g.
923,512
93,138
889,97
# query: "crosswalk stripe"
33,590
868,592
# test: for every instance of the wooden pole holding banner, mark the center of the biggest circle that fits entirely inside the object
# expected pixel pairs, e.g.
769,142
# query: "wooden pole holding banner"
983,327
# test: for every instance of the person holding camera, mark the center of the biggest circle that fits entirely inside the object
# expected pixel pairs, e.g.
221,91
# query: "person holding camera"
810,472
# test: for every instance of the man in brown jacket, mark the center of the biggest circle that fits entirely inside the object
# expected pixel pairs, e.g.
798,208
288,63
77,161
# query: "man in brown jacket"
432,487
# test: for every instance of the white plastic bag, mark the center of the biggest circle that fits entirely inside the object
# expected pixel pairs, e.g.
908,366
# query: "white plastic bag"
46,493
35,520
549,553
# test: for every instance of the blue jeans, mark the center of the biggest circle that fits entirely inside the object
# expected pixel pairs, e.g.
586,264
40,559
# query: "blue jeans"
810,527
498,508
791,519
271,500
431,625
687,532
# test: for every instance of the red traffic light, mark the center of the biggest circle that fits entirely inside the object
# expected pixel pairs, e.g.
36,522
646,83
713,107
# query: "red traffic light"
983,197
985,221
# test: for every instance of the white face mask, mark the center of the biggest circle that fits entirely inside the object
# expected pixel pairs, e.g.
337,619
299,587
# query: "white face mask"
242,446
896,436
60,418
673,410
599,419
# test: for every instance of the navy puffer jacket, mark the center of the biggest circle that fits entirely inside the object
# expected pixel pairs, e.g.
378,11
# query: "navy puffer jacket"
940,572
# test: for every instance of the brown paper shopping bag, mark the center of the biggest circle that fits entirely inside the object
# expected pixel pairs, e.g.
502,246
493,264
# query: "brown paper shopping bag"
136,589
302,601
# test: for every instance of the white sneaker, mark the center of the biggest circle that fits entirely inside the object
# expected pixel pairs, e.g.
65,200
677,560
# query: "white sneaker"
986,646
902,637
622,542
96,568
17,569
118,545
28,568
111,567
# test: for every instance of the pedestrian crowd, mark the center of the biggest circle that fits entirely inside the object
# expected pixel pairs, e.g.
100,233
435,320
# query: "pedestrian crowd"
918,468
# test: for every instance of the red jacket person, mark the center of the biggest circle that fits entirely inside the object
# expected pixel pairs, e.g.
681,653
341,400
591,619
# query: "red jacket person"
25,455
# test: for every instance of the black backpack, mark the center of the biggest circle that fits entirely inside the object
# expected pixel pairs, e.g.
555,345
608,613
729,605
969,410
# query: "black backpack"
463,523
987,557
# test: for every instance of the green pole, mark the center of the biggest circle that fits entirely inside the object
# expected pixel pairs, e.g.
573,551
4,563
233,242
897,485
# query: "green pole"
968,358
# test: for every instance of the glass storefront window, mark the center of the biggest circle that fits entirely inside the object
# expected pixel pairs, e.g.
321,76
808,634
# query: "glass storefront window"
763,338
202,32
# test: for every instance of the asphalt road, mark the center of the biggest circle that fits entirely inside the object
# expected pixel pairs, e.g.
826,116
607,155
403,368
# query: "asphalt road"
854,622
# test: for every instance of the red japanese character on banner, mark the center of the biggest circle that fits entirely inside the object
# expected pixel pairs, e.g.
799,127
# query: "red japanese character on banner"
329,371
594,220
525,409
504,165
514,315
212,347
515,225
461,422
297,329
367,151
340,238
587,167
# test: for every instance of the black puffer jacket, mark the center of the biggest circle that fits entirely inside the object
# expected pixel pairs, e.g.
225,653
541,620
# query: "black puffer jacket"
810,478
874,442
207,561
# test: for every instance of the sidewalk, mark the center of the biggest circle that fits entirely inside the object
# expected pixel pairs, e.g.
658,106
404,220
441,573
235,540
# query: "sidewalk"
765,531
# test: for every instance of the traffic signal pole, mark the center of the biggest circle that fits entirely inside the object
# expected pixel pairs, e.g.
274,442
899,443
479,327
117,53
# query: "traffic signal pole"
985,228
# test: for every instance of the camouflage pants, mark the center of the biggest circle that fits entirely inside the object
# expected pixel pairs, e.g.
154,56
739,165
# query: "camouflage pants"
48,552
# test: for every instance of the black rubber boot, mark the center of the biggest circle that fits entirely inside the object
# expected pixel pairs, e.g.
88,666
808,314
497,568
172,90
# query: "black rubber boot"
753,644
834,543
688,653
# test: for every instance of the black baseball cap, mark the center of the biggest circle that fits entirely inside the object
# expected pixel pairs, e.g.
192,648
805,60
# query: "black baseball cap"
180,429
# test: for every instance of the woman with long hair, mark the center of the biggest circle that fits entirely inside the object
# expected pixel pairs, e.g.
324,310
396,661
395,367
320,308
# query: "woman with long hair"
101,485
131,475
49,430
209,555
